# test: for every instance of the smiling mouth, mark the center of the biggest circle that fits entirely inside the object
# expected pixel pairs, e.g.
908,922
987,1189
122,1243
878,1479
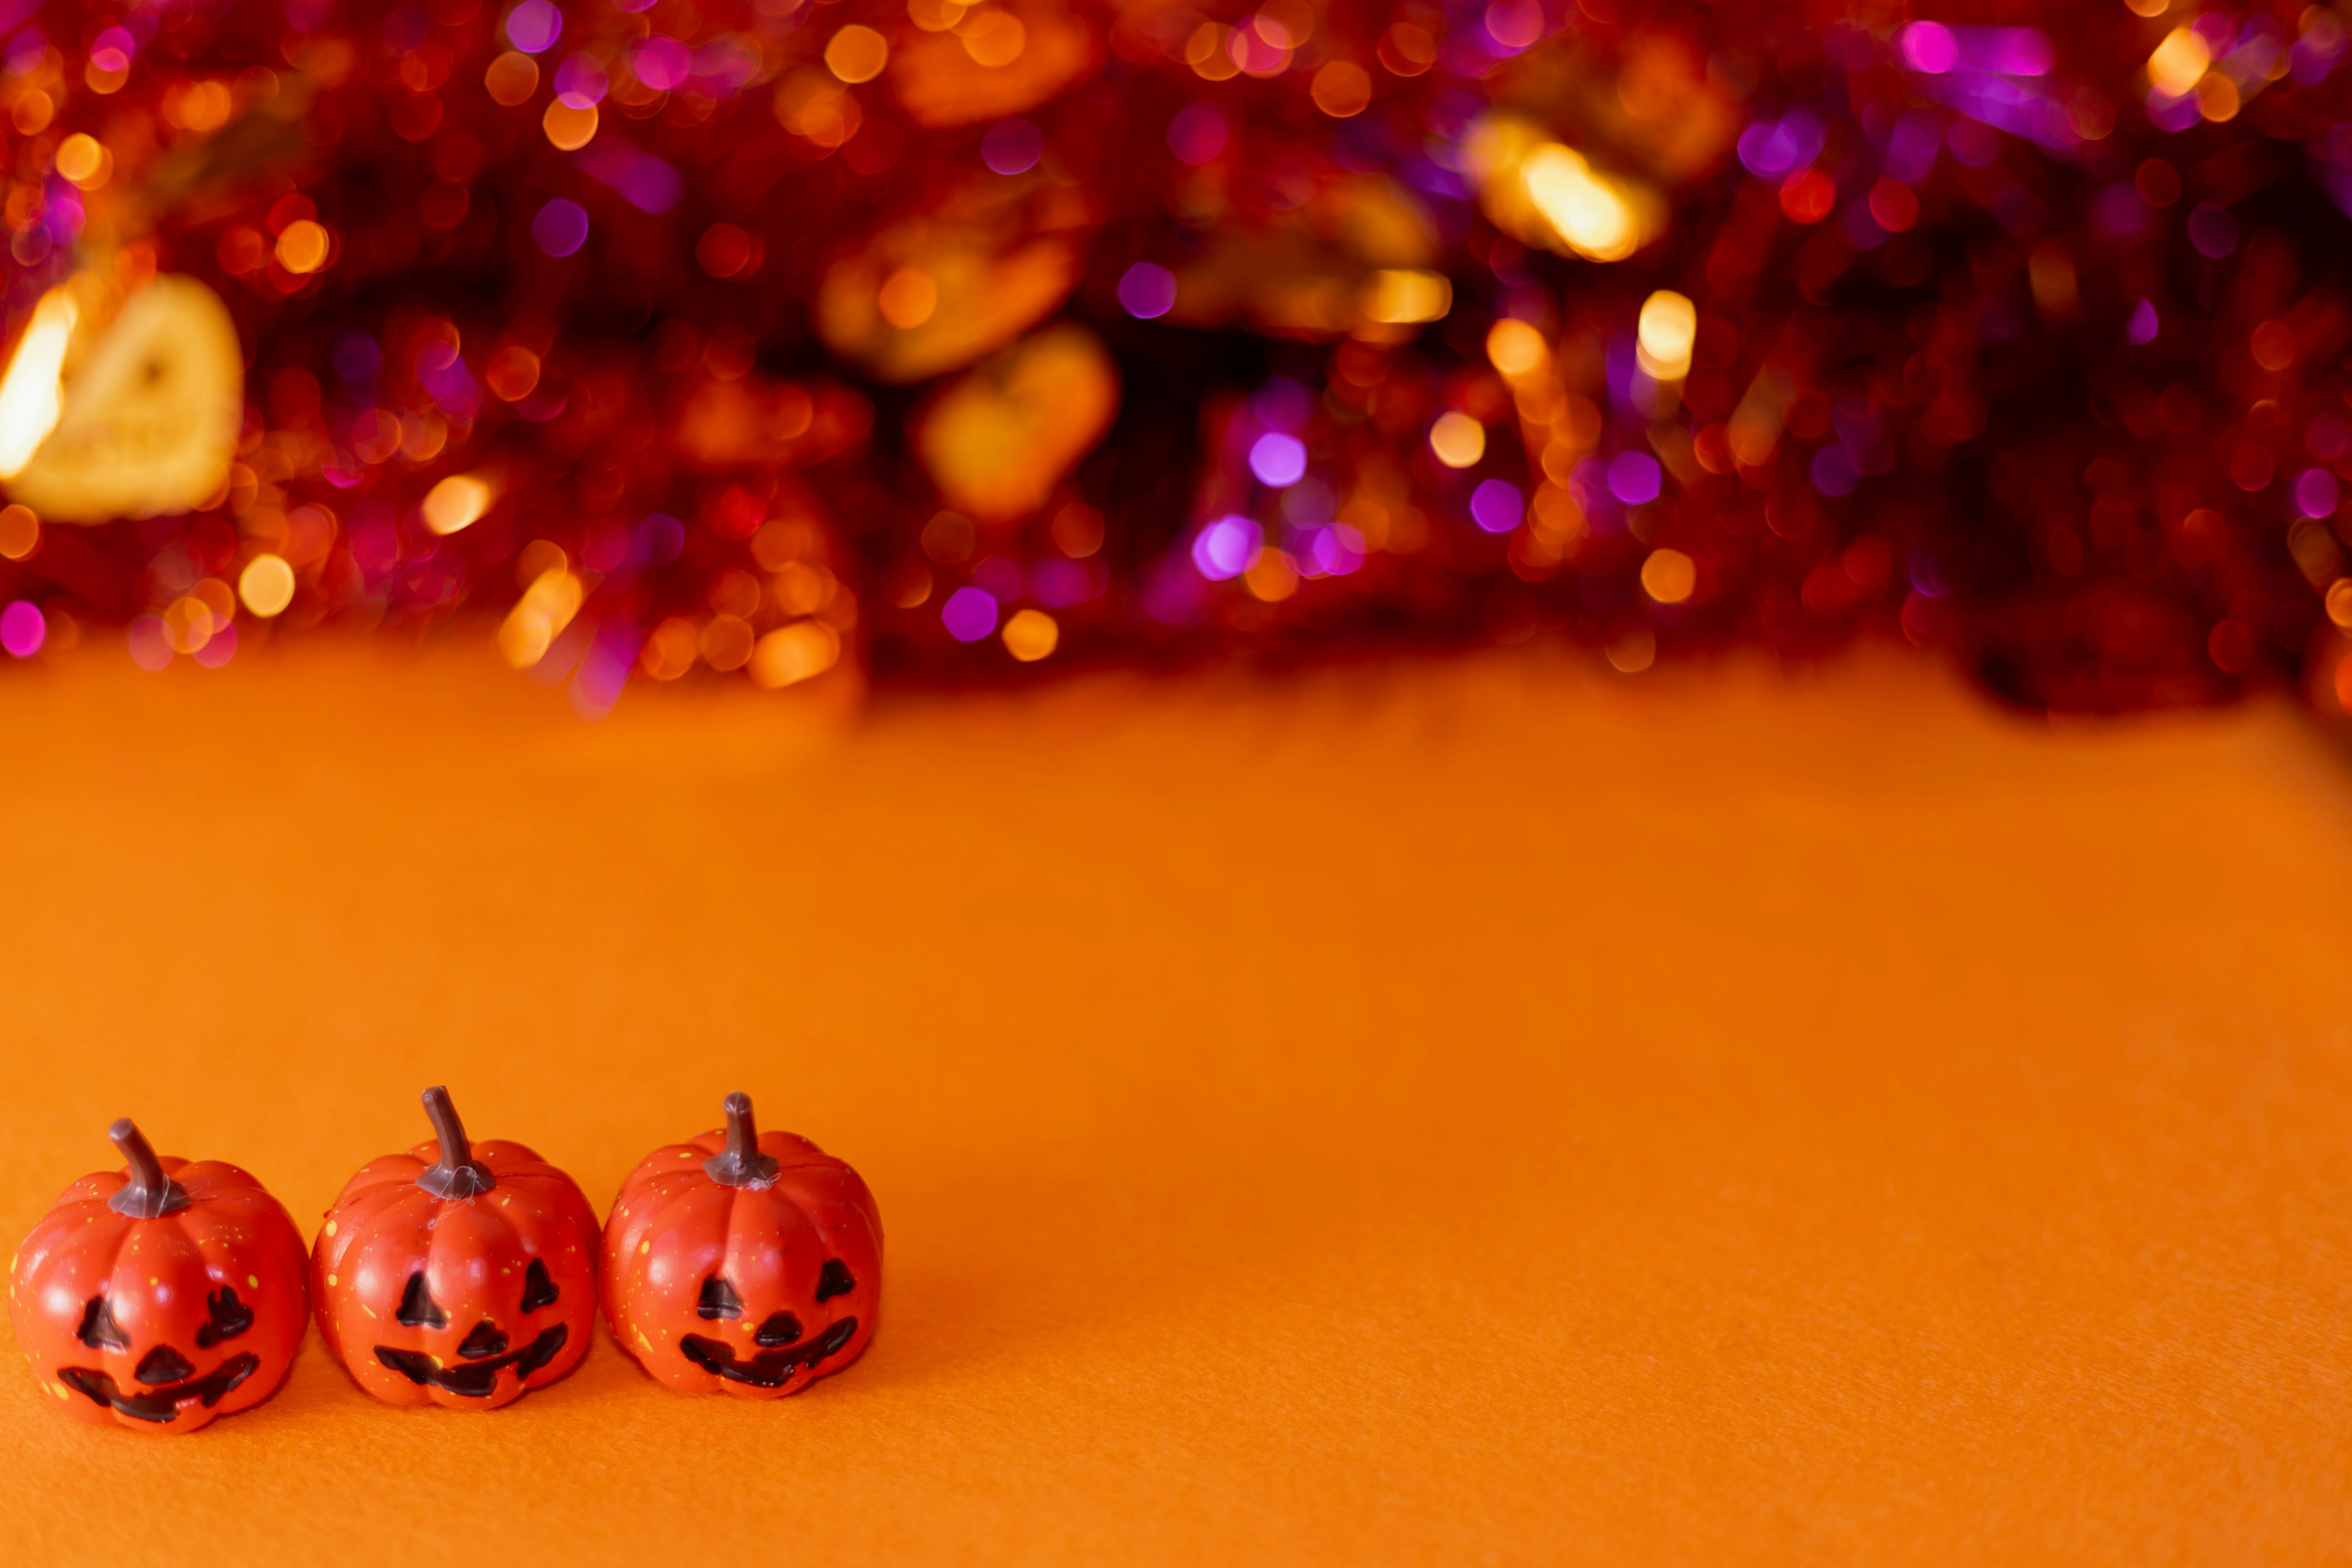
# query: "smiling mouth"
161,1404
770,1368
475,1378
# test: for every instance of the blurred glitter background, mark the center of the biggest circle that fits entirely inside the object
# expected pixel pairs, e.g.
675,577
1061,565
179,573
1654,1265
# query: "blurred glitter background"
791,340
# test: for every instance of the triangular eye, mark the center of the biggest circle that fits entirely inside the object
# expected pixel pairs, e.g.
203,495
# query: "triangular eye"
231,1318
537,1289
780,1329
417,1308
834,1279
718,1299
99,1330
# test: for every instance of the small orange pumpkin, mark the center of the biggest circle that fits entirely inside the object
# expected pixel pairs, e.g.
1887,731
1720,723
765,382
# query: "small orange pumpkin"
160,1296
743,1263
459,1273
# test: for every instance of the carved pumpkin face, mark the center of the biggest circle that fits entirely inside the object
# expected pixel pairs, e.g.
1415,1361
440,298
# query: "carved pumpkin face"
162,1295
459,1273
743,1263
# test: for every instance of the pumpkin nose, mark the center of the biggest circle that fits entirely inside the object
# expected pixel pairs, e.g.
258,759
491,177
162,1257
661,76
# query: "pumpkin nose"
164,1364
484,1341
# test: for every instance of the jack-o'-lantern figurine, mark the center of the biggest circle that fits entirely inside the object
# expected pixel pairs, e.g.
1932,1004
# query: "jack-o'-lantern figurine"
743,1263
162,1295
458,1274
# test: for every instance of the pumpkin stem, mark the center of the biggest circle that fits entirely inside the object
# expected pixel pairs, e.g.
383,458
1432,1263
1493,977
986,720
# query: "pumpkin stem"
741,1163
456,1175
149,1194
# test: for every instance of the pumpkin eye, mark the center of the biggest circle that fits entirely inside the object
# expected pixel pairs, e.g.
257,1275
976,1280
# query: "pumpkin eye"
537,1289
483,1343
99,1330
780,1329
718,1299
834,1279
231,1318
417,1308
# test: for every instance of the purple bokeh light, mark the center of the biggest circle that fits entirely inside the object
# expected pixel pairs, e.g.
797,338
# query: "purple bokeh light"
112,49
580,81
1634,478
1197,135
218,649
23,628
1147,290
2212,231
1929,46
534,26
561,227
1226,547
969,614
1498,507
1013,146
2316,495
661,63
1833,471
1278,459
646,183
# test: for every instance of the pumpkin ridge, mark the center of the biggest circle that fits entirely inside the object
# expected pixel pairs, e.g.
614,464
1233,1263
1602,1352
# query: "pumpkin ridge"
385,1170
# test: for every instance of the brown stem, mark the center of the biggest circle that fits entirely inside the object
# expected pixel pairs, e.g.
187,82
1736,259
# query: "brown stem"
456,1175
149,1194
741,1163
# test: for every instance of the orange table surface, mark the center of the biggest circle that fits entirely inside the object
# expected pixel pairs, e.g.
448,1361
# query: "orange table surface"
1487,1110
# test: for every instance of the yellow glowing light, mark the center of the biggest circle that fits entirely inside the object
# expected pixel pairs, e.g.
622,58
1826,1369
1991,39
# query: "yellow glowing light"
1343,89
267,585
190,624
2339,603
1516,348
1669,326
1031,634
1457,439
303,247
545,608
29,397
908,298
2148,7
81,160
457,502
512,77
934,16
2178,62
1634,652
1205,52
1755,429
858,54
568,129
1669,576
795,652
728,642
993,38
2218,99
1271,577
1400,296
20,531
671,651
1587,212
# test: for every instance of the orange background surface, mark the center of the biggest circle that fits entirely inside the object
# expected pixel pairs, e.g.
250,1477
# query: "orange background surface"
1479,1111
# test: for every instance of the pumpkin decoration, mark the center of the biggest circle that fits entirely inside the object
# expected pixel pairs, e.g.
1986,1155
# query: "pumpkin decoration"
160,1296
459,1273
743,1263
